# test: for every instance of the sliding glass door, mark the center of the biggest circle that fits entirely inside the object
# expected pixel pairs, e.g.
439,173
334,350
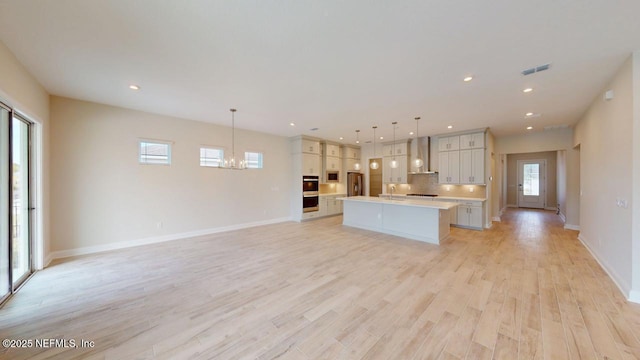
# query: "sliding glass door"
21,201
5,204
15,201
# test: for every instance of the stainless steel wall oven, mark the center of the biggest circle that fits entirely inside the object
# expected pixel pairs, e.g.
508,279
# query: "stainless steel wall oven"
310,198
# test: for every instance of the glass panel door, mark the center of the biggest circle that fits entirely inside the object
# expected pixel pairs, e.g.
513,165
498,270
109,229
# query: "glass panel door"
5,279
20,216
531,181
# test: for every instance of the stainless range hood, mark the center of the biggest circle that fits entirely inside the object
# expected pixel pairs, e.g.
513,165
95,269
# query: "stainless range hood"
426,158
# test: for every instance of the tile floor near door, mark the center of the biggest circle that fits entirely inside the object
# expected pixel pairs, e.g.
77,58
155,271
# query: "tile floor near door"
525,289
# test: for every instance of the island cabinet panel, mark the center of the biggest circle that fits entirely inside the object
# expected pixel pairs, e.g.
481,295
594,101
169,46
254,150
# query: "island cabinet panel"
426,221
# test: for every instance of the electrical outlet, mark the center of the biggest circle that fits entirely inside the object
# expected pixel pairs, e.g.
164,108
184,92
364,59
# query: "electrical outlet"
159,225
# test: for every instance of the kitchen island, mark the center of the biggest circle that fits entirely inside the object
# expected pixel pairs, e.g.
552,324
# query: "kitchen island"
426,221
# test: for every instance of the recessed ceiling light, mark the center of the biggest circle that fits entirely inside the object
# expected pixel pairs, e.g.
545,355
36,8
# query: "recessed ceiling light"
381,138
528,114
529,127
527,90
292,124
450,127
341,138
410,132
134,87
357,141
467,79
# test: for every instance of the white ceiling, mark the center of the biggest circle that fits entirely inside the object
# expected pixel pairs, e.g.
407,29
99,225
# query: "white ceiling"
335,65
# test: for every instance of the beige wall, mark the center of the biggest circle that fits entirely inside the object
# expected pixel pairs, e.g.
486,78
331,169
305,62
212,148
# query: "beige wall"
635,201
605,135
551,199
554,140
102,195
561,185
25,94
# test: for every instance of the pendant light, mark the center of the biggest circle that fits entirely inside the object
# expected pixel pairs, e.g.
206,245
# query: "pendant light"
418,161
394,163
374,164
356,166
232,162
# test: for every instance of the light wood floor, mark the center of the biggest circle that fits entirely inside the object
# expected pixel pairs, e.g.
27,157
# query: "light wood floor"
526,289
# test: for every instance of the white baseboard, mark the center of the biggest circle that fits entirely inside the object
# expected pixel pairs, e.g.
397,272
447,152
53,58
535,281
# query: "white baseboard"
572,227
563,218
511,206
620,283
155,239
496,218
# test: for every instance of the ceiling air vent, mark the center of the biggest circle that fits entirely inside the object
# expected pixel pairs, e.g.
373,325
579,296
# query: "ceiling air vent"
536,69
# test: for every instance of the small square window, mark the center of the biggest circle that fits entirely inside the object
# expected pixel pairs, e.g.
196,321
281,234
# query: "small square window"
253,160
211,157
155,152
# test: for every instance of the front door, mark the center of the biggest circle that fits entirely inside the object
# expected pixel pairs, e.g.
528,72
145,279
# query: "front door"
531,183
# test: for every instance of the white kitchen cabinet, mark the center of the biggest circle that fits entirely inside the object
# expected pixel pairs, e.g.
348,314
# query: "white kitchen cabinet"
472,166
449,143
397,175
400,148
332,150
449,167
470,215
331,160
472,141
334,206
310,164
350,152
330,205
350,165
332,163
310,146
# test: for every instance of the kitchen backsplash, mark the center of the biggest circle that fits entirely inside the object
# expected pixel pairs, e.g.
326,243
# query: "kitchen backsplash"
332,188
428,184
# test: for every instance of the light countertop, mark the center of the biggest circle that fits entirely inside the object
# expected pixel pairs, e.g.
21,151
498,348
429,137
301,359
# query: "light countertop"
444,205
437,197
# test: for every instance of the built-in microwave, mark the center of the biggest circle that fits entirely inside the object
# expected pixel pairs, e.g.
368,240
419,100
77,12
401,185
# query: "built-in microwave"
332,176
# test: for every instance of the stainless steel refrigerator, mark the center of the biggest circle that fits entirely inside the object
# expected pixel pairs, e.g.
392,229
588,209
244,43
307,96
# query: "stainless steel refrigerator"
355,184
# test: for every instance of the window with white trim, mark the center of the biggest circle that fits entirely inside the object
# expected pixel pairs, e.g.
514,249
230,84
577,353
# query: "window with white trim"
253,160
154,152
211,157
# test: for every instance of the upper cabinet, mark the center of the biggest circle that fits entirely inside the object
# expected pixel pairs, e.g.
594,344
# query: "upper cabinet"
331,162
400,148
332,150
472,141
449,143
350,152
351,158
462,158
307,155
399,151
310,146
